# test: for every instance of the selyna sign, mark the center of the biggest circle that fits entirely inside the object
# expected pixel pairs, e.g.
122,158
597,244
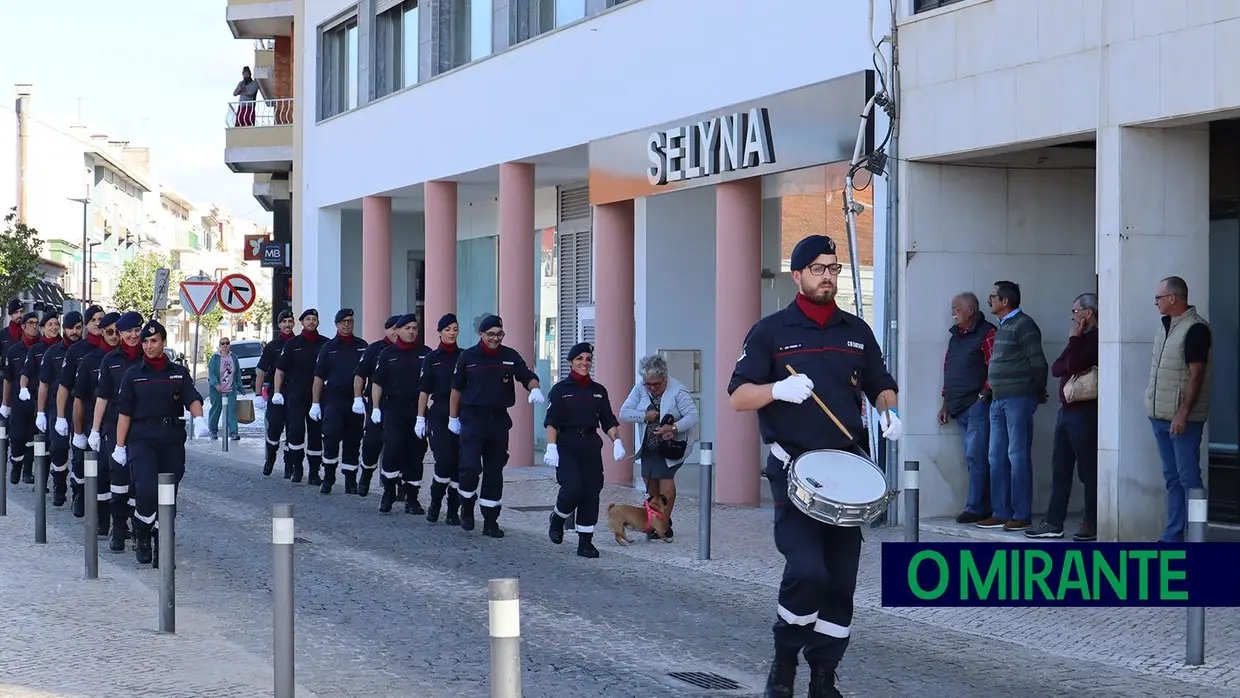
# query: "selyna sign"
706,148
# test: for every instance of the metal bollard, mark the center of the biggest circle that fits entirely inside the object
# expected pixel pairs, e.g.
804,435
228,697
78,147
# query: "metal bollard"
706,460
227,434
1195,652
167,553
505,623
90,493
4,476
912,493
282,544
40,488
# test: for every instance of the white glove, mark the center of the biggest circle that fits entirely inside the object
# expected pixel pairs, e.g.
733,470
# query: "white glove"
259,403
552,456
454,425
93,440
40,422
120,454
617,450
200,427
24,394
419,428
794,389
5,411
277,399
376,415
79,442
316,412
892,427
62,426
359,407
536,397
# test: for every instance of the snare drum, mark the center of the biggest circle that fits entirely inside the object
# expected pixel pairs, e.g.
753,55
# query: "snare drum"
838,488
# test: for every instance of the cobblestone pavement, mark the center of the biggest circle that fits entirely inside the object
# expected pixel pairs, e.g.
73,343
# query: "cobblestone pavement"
391,606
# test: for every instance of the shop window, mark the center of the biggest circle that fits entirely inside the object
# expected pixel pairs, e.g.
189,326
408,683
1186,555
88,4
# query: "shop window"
396,45
338,66
920,6
529,18
546,359
462,33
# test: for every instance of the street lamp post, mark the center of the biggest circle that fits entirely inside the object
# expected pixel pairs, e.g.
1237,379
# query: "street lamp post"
85,201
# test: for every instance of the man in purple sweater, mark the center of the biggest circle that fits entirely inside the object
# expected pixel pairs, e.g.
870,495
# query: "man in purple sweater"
1076,429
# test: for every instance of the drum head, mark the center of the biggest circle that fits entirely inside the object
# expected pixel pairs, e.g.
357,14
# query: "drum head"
840,477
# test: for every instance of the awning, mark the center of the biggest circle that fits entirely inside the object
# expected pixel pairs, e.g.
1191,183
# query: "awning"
48,294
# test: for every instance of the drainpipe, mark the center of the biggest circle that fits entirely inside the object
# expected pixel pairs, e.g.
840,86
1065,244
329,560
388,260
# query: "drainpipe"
891,299
23,130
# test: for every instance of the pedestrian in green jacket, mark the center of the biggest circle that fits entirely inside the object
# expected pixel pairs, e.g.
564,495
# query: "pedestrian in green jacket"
223,380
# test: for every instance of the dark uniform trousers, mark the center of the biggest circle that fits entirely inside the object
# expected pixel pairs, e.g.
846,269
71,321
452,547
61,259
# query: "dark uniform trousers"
403,451
372,440
820,575
123,499
58,445
342,435
304,436
158,447
580,476
275,418
446,447
484,453
21,438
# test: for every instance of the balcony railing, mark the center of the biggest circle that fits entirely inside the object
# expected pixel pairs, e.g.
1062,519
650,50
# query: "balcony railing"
269,112
264,44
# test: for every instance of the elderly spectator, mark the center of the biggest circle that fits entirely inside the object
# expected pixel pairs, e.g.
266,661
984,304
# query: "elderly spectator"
1017,377
669,417
1076,429
964,382
223,381
1178,397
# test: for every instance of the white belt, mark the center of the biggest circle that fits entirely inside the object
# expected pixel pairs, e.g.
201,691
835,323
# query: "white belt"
782,455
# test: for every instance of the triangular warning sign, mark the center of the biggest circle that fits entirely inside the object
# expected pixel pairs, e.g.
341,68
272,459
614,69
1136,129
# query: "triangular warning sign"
199,294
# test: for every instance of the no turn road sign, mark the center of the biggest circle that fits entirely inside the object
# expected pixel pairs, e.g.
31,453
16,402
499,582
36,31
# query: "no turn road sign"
236,293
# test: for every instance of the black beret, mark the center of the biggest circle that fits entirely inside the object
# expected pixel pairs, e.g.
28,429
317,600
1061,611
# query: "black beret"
406,319
129,321
91,312
489,322
343,313
72,319
48,317
808,250
15,306
579,349
445,321
391,322
109,319
284,315
153,328
307,311
32,315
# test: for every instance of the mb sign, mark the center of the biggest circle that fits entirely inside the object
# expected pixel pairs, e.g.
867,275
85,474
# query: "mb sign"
275,254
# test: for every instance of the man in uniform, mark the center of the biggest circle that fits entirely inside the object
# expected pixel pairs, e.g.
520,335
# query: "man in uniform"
102,439
293,383
263,373
333,380
154,394
835,351
63,387
372,436
14,334
435,394
29,380
85,385
482,392
46,403
394,394
20,413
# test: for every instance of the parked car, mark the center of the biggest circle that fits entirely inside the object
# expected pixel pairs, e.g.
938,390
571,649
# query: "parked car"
248,352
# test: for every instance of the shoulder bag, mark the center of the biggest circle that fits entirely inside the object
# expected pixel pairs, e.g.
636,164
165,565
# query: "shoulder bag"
1082,386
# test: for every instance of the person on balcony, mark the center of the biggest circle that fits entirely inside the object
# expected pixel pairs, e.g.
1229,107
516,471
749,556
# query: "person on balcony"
246,94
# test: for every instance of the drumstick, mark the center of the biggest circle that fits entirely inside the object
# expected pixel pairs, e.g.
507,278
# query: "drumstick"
823,405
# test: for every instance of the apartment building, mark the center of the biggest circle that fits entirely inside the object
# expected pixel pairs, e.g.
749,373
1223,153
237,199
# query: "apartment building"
1072,146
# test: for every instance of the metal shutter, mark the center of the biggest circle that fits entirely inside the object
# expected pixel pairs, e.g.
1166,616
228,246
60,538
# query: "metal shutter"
574,255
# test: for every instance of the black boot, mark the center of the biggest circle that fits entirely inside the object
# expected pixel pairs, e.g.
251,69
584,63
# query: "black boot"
79,504
389,495
329,479
454,503
585,545
59,486
117,542
288,468
400,494
822,682
363,487
104,524
412,505
298,472
438,490
155,548
490,523
556,530
782,679
269,464
467,513
15,471
142,545
314,479
350,482
28,468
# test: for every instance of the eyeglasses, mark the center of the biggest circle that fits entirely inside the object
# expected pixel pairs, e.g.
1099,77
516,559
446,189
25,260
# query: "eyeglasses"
656,383
110,331
1165,295
820,269
223,344
493,335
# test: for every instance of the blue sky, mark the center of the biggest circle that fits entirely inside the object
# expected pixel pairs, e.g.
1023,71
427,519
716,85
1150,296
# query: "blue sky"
158,73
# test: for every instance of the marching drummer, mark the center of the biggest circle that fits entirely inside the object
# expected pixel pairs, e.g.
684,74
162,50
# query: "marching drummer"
836,353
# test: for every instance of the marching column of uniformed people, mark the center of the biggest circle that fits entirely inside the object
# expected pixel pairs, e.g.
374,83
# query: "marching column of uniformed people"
150,431
264,374
482,392
65,406
293,384
577,407
102,438
333,403
836,352
372,432
20,413
85,386
47,405
394,396
27,381
435,388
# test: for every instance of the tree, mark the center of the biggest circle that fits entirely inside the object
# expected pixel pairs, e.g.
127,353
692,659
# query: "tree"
261,313
135,290
20,256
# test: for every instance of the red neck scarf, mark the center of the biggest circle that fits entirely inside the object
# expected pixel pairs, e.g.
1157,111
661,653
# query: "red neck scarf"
49,341
488,350
405,346
346,338
286,336
29,341
820,314
580,380
449,348
131,352
95,340
156,363
310,335
15,330
68,342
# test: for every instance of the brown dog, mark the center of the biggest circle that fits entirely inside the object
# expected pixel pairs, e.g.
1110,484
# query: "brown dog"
643,519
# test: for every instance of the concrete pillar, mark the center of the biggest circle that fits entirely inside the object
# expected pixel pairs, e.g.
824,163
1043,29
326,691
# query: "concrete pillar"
376,266
516,292
738,305
614,323
441,257
1153,222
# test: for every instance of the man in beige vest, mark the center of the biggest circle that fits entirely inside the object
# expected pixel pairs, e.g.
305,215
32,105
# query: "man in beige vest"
1178,398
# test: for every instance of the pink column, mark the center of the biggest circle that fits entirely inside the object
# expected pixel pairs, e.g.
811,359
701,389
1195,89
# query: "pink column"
615,361
441,257
516,292
738,305
376,268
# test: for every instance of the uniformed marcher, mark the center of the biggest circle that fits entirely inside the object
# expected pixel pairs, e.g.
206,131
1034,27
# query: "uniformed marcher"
333,403
293,384
435,395
394,393
263,375
14,333
49,336
49,382
20,413
154,395
63,395
102,438
576,409
482,392
85,385
372,435
836,353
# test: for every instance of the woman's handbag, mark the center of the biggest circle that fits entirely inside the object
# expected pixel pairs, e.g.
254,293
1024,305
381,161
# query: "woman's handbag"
1083,386
672,450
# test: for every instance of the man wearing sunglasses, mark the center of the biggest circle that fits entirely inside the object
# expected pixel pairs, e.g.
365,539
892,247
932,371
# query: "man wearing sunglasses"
63,386
85,384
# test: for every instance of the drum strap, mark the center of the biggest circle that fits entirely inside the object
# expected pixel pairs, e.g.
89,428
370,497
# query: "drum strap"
779,452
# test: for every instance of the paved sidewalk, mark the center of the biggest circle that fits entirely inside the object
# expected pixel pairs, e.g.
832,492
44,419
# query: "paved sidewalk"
68,637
